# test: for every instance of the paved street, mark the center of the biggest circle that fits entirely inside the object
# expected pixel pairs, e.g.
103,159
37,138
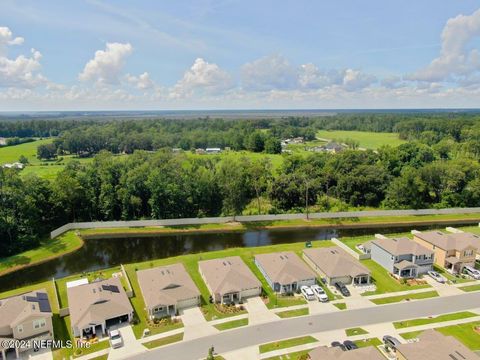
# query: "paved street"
244,337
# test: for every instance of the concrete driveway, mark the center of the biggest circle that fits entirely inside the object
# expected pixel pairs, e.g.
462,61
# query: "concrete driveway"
258,312
131,346
195,324
442,289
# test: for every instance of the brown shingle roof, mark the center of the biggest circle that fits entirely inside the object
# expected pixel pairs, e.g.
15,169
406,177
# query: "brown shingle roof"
335,262
284,267
335,353
96,302
15,309
432,345
166,285
455,241
402,246
228,275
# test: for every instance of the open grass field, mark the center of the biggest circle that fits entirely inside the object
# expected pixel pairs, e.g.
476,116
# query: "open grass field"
366,139
284,344
9,154
431,320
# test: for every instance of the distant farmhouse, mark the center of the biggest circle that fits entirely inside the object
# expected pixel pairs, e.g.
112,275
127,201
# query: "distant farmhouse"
15,165
3,141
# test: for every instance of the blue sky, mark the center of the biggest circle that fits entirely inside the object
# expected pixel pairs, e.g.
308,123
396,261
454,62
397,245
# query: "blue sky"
208,54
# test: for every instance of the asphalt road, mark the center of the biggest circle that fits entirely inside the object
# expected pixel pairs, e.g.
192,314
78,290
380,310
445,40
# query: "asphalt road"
282,329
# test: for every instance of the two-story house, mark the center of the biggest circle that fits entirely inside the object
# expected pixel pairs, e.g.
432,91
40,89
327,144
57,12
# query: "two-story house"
402,257
452,251
25,317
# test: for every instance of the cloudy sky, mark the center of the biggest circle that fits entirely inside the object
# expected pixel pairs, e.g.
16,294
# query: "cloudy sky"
229,54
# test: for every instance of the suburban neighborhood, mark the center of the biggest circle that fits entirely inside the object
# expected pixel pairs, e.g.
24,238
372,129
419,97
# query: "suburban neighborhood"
318,280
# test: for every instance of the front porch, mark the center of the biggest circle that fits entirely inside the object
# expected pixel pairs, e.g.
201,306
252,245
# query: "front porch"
363,279
163,311
230,298
453,265
286,288
405,270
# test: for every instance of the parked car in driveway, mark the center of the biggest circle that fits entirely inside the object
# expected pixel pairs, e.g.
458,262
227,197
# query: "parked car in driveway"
319,293
472,272
437,277
342,288
339,345
391,342
350,345
307,293
116,340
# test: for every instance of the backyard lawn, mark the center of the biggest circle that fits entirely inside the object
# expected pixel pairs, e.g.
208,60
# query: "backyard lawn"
436,319
284,344
394,299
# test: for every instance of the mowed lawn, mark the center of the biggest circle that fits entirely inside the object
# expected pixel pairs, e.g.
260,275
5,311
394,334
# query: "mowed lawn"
9,154
366,139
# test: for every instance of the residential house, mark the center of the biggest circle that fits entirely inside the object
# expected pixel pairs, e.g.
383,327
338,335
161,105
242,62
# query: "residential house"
433,345
333,147
336,265
285,272
97,306
26,316
213,150
167,289
229,279
335,353
402,257
453,251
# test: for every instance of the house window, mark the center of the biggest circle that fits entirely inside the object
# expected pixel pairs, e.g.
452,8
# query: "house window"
20,328
158,309
468,253
37,324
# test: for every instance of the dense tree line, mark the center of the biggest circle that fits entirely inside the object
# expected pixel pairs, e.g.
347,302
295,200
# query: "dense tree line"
438,167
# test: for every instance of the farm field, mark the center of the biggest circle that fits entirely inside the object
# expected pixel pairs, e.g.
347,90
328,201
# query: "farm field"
10,154
366,139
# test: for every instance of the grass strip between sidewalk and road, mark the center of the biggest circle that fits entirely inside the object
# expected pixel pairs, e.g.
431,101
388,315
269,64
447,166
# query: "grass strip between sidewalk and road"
163,341
284,344
293,313
355,331
431,320
341,305
394,299
470,288
231,324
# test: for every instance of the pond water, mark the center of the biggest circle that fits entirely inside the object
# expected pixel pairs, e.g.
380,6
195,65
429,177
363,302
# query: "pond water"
104,253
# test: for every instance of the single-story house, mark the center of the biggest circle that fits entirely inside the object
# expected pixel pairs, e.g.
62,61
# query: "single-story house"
285,272
453,251
167,289
336,265
402,257
22,317
229,279
335,353
96,306
434,345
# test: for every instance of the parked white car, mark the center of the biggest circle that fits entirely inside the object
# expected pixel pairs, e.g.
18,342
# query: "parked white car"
116,340
307,293
472,272
319,293
437,277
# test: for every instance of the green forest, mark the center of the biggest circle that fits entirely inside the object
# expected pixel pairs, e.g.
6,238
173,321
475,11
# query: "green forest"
437,167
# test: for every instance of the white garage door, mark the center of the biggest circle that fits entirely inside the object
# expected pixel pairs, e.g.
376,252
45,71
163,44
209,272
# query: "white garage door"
187,303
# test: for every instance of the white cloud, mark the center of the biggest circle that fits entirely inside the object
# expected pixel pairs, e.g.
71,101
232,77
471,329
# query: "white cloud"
311,77
455,59
141,82
355,80
6,39
269,73
202,77
21,72
106,66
